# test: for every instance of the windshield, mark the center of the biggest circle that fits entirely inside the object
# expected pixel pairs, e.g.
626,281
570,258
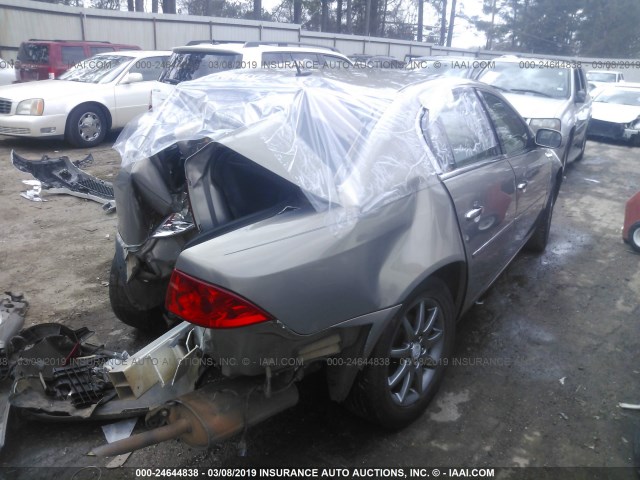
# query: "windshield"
601,77
98,69
620,97
189,66
546,82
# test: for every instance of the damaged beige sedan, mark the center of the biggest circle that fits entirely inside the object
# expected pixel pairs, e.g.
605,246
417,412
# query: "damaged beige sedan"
299,223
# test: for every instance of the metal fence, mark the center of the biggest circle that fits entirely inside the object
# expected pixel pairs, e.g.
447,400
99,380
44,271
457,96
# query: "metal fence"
24,19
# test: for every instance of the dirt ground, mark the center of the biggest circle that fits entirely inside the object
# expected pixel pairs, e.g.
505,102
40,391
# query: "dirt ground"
540,365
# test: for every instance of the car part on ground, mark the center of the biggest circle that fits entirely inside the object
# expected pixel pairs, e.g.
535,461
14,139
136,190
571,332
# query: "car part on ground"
13,308
58,375
339,220
209,415
62,176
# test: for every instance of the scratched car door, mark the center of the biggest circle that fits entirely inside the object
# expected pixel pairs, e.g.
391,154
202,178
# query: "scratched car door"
531,167
481,183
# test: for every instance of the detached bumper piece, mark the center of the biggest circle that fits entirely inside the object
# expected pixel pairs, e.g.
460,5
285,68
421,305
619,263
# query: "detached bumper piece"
62,176
58,375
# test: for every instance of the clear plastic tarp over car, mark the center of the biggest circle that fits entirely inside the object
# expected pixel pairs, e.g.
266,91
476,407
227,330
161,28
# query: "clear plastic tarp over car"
351,139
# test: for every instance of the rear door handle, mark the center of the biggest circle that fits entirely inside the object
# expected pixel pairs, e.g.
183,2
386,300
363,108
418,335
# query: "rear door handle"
474,213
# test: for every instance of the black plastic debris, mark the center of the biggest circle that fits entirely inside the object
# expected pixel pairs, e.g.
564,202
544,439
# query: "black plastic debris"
62,176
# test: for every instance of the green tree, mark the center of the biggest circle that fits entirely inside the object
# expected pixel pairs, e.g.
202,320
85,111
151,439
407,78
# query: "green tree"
609,29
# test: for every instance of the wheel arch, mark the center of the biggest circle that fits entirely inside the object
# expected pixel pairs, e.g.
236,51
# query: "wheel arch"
452,274
103,108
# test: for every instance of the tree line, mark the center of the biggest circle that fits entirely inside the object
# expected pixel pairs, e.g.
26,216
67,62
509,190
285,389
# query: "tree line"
597,28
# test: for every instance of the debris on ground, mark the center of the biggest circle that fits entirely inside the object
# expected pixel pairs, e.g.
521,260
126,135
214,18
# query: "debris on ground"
62,176
52,372
118,431
33,194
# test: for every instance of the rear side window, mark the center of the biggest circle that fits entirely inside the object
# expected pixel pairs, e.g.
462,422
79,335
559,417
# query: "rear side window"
72,55
34,53
464,126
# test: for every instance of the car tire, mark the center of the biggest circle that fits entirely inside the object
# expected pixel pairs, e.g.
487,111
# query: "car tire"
124,308
417,344
86,126
634,236
540,238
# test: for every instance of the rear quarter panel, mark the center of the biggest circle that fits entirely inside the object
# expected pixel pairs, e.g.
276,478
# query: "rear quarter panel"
311,273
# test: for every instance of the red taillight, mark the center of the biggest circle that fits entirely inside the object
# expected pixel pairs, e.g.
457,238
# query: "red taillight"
209,306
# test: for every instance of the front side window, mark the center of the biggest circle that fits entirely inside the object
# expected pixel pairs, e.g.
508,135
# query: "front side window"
150,68
511,130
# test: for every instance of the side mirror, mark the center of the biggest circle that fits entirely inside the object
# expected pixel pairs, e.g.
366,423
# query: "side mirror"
546,137
132,78
581,96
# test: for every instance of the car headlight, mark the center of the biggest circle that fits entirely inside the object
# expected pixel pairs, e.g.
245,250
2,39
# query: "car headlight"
537,123
33,106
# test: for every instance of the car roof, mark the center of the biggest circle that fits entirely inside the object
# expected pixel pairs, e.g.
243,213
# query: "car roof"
135,53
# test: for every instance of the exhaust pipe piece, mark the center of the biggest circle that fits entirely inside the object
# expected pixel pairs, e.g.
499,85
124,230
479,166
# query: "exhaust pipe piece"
209,415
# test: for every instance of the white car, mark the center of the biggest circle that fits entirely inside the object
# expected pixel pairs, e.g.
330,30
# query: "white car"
98,94
602,78
616,113
7,72
199,59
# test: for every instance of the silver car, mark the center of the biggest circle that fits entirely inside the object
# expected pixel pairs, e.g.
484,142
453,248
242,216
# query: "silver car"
547,93
335,221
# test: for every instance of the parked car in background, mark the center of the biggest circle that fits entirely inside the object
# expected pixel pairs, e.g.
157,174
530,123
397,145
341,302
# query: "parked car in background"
448,66
7,72
101,93
48,59
616,113
546,95
599,78
376,61
200,59
345,221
